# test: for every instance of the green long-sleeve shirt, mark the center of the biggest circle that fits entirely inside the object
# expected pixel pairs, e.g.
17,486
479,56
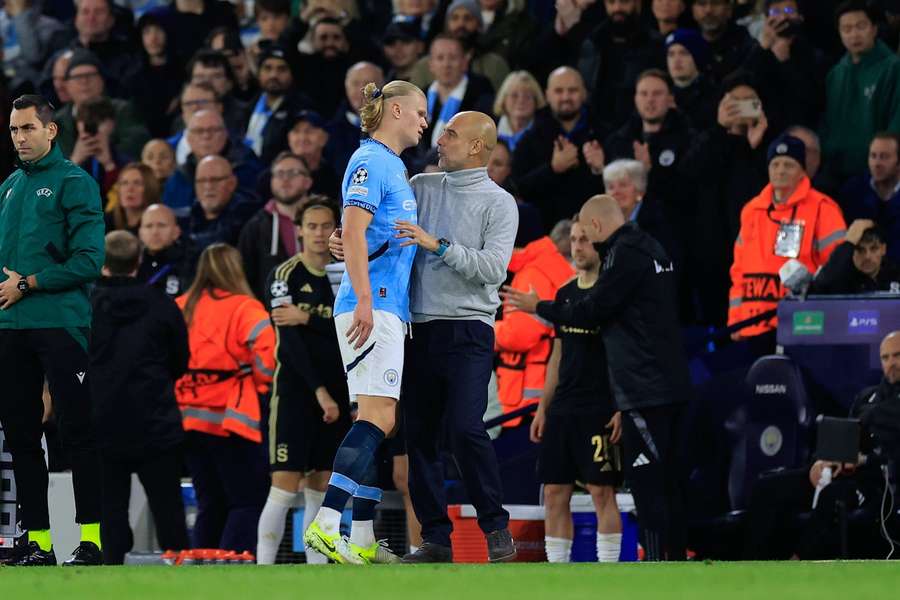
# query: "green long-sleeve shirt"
51,226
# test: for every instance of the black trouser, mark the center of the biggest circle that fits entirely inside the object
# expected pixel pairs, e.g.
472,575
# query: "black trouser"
160,474
654,474
445,377
27,356
231,480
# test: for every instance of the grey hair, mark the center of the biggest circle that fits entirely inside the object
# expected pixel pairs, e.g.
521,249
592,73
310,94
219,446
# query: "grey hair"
626,167
561,231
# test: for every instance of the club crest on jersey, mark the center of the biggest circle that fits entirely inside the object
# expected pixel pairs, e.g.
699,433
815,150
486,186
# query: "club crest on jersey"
47,192
360,176
279,288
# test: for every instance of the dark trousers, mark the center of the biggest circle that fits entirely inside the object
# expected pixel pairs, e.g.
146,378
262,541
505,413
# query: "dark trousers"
447,369
27,357
160,474
231,481
654,474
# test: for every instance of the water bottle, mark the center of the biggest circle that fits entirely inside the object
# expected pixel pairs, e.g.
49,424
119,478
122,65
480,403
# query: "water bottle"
824,481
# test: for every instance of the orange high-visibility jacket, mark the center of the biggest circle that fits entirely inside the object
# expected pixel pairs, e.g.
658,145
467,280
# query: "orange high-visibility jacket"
524,341
755,285
232,354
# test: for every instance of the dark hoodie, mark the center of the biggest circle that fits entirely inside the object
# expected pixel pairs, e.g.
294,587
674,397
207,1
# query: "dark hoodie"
225,228
139,347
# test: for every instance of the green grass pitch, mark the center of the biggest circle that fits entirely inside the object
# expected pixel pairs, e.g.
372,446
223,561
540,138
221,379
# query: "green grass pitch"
694,581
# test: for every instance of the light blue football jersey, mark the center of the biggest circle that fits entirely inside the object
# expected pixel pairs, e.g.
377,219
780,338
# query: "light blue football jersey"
376,181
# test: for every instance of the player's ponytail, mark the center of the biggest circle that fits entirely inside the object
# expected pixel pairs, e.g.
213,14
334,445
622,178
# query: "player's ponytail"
372,112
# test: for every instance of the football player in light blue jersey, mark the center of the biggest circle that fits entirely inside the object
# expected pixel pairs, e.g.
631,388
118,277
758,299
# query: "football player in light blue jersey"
371,313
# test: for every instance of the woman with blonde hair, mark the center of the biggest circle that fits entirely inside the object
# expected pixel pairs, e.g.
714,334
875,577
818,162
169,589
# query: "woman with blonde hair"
232,356
371,312
136,188
519,98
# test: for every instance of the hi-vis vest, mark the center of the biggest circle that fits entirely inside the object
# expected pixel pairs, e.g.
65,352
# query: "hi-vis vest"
523,341
755,285
232,354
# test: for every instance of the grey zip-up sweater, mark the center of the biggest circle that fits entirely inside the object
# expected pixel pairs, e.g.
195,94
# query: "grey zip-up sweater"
480,220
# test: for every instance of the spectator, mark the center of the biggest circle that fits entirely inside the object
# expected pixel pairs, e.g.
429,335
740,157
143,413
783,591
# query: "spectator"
786,65
727,167
94,149
27,37
859,265
558,163
167,258
207,136
85,81
696,96
509,31
159,156
344,129
668,15
213,67
136,189
813,150
191,21
862,91
454,88
500,166
221,208
227,329
194,98
419,12
307,139
876,194
323,72
626,181
93,29
228,42
268,239
788,219
614,54
138,349
402,48
277,102
729,43
53,85
519,99
523,343
272,18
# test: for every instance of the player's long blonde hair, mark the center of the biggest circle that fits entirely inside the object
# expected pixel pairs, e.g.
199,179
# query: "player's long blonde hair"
371,113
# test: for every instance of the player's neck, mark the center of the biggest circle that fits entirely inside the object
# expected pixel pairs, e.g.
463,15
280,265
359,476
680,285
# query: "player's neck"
587,278
315,260
388,140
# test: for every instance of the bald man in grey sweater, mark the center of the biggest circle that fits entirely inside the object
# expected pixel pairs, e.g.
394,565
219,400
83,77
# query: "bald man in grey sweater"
466,228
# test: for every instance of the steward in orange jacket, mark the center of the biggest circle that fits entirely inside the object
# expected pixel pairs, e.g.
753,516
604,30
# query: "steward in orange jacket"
232,354
788,219
524,341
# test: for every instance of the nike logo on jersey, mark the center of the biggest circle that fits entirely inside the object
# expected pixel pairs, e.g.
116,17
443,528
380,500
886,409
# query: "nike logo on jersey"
80,375
640,461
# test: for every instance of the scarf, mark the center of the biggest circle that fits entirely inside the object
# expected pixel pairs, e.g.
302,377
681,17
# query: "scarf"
257,125
505,132
450,107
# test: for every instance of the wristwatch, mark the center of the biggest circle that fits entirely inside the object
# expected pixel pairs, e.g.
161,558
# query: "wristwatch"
443,244
23,286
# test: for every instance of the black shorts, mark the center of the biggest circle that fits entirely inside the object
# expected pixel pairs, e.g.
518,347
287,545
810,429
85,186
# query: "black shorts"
576,448
299,440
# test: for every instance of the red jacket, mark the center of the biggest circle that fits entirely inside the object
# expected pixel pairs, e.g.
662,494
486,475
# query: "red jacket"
755,285
524,341
232,354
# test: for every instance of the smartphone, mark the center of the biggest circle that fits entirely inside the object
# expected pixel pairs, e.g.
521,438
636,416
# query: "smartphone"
792,29
749,109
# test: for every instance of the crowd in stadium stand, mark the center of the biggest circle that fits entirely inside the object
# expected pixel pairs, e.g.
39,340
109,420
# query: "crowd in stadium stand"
738,133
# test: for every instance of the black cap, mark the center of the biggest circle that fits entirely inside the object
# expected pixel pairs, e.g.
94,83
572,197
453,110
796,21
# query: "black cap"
403,31
273,51
81,57
311,117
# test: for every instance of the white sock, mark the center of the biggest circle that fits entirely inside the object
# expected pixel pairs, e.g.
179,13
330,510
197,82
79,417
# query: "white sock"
608,547
271,524
362,533
413,549
558,549
312,502
329,520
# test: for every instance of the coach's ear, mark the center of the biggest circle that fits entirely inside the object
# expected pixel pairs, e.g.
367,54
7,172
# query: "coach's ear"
53,130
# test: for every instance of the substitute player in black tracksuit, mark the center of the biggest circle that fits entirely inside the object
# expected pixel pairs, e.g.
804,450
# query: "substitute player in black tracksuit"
635,304
310,409
577,424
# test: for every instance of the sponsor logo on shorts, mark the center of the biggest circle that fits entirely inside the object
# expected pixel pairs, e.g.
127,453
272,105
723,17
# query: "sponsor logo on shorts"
391,377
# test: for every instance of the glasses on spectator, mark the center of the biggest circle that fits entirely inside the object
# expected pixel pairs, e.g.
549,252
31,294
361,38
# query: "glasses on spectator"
289,173
82,76
212,180
196,103
785,10
205,131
